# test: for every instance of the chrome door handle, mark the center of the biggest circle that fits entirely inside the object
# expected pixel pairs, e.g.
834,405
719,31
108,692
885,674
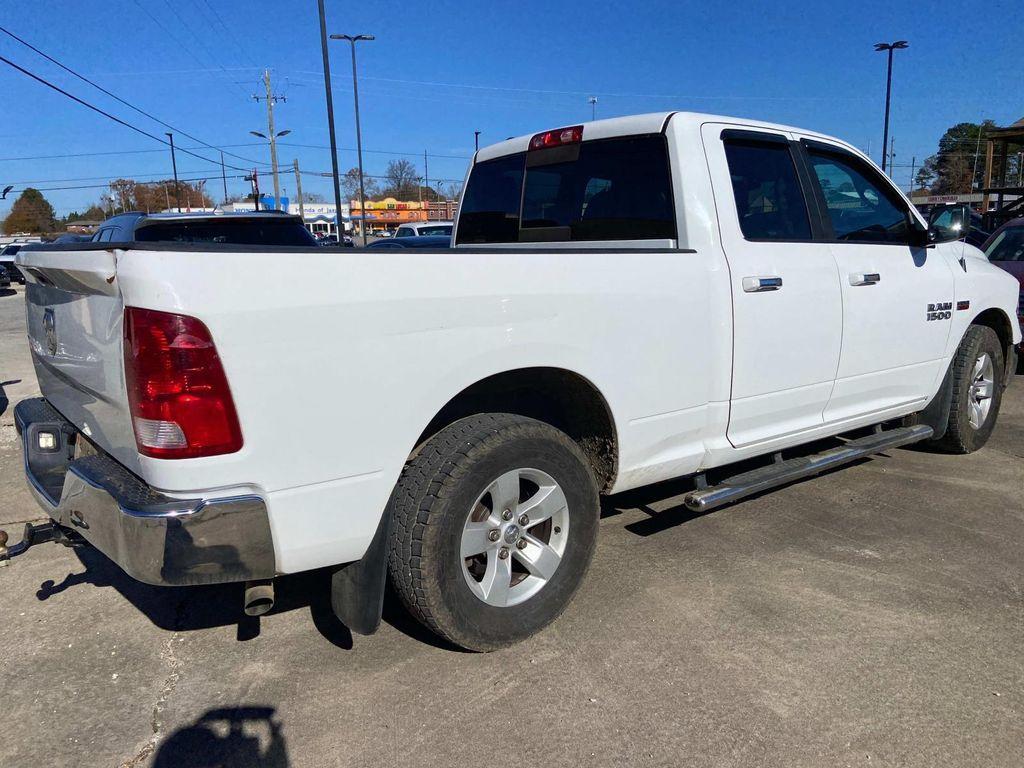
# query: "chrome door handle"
758,284
865,278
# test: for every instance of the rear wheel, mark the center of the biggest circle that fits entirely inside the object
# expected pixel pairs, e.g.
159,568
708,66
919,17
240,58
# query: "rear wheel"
977,391
495,522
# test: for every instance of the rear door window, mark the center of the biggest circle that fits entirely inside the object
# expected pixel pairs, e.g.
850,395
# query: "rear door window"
769,201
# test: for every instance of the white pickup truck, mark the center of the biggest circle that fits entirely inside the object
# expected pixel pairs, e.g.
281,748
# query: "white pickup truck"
626,301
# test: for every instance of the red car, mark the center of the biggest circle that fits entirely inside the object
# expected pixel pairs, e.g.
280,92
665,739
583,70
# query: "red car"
1005,249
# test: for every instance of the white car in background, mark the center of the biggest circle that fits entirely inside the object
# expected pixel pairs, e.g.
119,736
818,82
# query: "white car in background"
425,229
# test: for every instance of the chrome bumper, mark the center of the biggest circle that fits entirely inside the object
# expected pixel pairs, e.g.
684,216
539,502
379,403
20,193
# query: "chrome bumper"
154,538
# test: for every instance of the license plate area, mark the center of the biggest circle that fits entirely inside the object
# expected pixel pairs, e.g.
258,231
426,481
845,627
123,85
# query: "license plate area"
49,448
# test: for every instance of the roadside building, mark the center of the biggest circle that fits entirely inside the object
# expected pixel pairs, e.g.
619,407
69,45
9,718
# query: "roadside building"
387,214
442,210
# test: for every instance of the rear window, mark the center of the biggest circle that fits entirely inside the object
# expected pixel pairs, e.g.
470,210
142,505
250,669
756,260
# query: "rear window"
489,211
255,231
615,189
443,229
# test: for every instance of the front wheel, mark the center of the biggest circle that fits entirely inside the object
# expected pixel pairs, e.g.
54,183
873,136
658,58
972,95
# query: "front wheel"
977,391
494,525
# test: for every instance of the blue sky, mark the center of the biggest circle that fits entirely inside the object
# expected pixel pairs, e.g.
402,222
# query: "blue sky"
439,70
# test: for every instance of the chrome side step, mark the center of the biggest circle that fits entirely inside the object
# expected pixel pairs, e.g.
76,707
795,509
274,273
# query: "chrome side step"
790,470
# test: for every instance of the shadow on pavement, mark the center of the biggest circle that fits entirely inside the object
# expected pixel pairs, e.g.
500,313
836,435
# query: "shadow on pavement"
183,609
7,292
4,400
226,738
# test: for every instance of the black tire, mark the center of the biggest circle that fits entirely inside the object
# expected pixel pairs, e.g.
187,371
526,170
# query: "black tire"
961,436
433,500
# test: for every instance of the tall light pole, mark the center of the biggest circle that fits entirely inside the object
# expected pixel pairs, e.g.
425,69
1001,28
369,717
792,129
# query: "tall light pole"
593,107
174,165
353,39
476,141
272,138
890,47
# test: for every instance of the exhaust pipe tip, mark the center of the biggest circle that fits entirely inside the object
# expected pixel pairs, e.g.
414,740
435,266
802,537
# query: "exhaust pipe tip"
259,597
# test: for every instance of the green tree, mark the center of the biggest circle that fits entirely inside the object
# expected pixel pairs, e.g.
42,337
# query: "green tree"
959,165
30,213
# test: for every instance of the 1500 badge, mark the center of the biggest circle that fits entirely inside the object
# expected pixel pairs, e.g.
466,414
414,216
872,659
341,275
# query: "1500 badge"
940,311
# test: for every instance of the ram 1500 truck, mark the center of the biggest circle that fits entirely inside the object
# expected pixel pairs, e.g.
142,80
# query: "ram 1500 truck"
625,301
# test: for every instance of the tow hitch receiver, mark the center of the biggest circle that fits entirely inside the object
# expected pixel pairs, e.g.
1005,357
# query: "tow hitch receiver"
39,533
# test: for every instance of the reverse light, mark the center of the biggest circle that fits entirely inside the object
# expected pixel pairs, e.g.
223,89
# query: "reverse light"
557,138
178,394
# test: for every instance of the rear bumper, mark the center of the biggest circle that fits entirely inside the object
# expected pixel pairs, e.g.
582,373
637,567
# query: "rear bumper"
155,538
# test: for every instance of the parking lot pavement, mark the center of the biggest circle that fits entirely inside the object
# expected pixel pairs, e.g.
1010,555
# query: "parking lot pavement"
869,617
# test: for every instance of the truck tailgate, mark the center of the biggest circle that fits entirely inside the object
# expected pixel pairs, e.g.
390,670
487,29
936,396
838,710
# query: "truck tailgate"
74,317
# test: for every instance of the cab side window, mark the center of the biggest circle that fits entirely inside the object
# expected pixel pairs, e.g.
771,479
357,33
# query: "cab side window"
861,206
769,201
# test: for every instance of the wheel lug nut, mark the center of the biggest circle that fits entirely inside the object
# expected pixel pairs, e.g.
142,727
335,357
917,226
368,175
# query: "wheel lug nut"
524,520
503,553
521,544
506,515
494,534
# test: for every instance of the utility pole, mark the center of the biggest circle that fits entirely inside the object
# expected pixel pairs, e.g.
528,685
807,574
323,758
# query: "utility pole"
174,165
593,107
272,98
892,154
913,164
426,176
224,177
298,191
476,141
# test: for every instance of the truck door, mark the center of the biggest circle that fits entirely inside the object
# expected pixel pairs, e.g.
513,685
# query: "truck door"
787,306
897,298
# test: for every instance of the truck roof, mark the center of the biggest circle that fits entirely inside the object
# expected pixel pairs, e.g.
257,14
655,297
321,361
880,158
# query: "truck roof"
652,122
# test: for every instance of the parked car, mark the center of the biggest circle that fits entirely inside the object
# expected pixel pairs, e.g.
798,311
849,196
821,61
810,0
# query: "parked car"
424,229
7,254
5,277
328,240
626,302
1005,249
248,228
421,241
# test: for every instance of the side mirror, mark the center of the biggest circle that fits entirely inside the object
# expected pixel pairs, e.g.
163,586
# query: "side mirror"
949,223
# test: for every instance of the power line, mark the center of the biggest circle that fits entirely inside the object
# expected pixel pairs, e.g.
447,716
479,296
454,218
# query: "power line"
178,40
118,152
114,96
118,120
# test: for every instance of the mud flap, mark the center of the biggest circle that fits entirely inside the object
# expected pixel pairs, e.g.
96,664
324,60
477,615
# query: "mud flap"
357,589
936,413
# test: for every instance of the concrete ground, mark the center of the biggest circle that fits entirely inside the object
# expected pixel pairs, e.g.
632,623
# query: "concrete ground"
869,617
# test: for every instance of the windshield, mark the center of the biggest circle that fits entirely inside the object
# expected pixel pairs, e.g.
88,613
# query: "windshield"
1008,245
248,231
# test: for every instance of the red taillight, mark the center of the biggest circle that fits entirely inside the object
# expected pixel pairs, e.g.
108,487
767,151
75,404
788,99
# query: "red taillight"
557,138
180,402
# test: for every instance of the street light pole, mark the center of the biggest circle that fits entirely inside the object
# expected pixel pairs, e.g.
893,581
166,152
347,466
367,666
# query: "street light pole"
353,39
593,107
889,47
174,165
476,141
